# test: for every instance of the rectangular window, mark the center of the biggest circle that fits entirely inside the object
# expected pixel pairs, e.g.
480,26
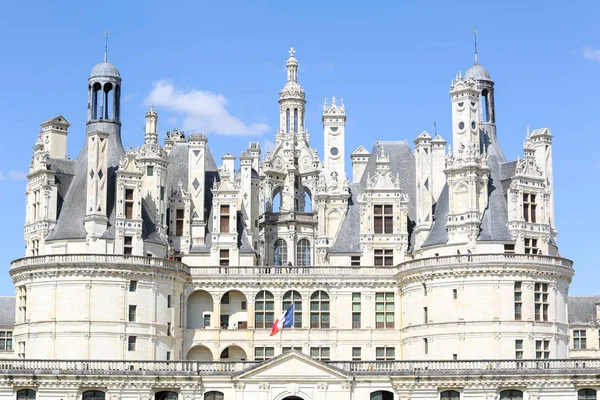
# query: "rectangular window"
6,340
179,218
224,258
21,349
542,349
424,289
244,305
529,207
509,249
320,353
385,353
356,354
22,293
356,310
384,257
168,329
150,170
131,340
541,301
168,356
162,194
531,246
355,261
285,349
519,349
263,353
224,219
455,294
518,301
128,203
384,310
128,245
425,346
132,311
579,340
132,286
455,356
383,219
425,316
169,301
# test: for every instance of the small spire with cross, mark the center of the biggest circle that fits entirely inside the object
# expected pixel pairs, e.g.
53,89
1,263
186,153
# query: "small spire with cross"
105,46
292,52
435,128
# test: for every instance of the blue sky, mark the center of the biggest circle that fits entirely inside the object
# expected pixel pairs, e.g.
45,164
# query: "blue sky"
220,66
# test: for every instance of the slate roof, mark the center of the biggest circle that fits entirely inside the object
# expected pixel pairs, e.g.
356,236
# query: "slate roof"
582,310
7,310
402,161
70,225
439,233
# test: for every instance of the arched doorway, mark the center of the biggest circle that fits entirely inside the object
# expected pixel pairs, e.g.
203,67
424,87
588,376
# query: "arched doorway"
199,353
199,310
233,353
234,314
382,395
292,398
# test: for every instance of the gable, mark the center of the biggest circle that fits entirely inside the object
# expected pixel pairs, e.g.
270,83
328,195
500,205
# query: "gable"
293,366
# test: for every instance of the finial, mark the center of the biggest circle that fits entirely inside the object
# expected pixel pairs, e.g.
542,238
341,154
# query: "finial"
475,39
333,101
325,105
527,130
435,128
292,52
105,46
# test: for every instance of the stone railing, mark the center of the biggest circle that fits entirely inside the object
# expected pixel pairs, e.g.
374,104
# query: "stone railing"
98,259
299,216
334,270
297,271
488,259
467,367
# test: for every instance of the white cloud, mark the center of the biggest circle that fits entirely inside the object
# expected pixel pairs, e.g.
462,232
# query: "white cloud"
591,54
202,111
13,175
128,97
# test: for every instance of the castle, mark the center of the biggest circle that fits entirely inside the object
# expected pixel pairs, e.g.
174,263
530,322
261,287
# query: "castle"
153,272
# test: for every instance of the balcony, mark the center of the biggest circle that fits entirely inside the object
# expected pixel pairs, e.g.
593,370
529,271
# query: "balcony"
284,271
97,260
488,259
389,368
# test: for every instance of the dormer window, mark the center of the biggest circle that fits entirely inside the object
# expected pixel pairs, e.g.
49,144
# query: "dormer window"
224,219
150,170
383,218
529,207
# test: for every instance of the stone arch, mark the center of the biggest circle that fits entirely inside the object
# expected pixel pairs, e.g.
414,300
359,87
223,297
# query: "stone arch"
234,314
233,353
199,353
303,252
200,310
276,198
381,395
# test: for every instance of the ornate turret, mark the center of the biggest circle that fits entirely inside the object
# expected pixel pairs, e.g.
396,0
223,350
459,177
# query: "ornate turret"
291,100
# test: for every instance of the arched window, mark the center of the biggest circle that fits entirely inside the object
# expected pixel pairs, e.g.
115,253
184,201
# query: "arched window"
303,253
319,310
511,395
165,395
96,100
94,395
382,395
26,394
294,296
280,252
449,395
213,395
295,120
586,394
264,310
287,120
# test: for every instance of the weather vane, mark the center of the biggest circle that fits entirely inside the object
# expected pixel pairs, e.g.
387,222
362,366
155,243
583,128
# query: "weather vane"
106,46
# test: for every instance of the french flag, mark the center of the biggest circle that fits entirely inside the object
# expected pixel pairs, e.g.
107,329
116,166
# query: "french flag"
286,319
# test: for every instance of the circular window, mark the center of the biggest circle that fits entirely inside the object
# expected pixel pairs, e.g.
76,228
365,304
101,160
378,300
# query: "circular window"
472,124
334,151
461,125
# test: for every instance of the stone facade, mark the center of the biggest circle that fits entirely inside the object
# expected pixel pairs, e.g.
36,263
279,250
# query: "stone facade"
157,254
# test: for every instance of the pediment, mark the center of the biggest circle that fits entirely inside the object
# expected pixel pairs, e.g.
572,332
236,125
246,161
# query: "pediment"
58,120
293,365
361,150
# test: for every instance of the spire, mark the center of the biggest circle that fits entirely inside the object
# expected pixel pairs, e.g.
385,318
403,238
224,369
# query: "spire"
105,46
475,39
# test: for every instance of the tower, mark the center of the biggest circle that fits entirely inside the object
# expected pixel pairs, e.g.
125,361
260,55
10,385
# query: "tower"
424,180
466,168
104,93
54,132
334,124
291,100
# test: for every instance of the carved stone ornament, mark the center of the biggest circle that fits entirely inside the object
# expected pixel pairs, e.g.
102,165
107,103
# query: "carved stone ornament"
239,386
322,386
264,386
